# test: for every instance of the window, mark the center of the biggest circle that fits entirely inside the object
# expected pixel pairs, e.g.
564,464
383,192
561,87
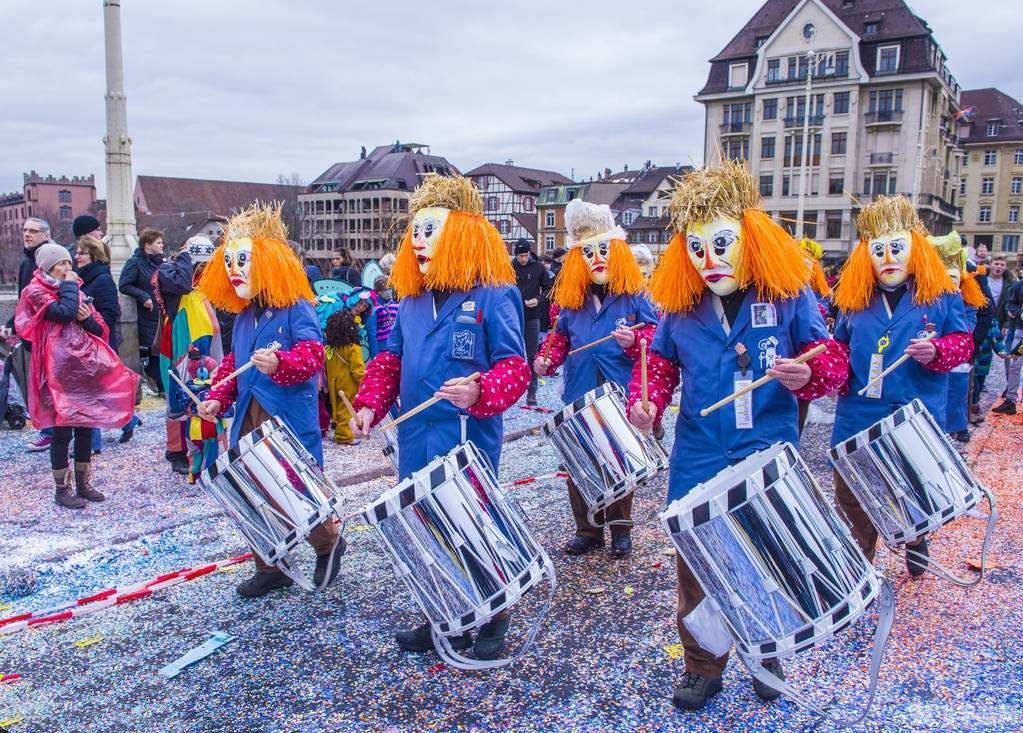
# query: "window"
838,142
1013,214
774,70
792,67
761,40
548,219
836,186
527,203
628,217
767,147
786,186
491,203
737,114
993,128
987,186
65,212
842,64
870,29
651,236
886,100
737,75
1010,243
771,109
64,197
1017,185
1018,159
990,157
548,242
966,159
502,226
767,186
810,224
841,105
804,65
962,187
887,59
833,225
737,149
985,215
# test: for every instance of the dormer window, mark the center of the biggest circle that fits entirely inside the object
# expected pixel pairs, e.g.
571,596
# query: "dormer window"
737,75
993,128
871,28
760,41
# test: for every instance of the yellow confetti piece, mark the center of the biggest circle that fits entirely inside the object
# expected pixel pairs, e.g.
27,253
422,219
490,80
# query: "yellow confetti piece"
82,643
229,569
628,590
673,408
5,607
184,509
595,591
359,528
11,721
674,651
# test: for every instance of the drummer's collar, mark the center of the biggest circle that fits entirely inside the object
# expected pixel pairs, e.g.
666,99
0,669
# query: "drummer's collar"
599,290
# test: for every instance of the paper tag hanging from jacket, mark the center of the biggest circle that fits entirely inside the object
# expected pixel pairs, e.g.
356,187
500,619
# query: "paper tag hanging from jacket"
743,405
876,367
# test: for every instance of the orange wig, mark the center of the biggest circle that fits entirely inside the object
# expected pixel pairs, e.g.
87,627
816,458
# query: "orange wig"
469,253
625,277
970,288
769,260
856,282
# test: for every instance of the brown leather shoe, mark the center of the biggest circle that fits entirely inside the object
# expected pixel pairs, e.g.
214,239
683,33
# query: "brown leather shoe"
82,477
65,496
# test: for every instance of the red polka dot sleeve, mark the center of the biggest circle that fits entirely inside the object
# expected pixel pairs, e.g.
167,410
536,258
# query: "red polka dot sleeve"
662,378
828,370
558,349
647,332
224,392
501,387
953,349
299,363
380,386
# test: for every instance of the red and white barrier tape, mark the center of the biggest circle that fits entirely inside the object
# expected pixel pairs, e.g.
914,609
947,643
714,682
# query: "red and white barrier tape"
112,597
534,479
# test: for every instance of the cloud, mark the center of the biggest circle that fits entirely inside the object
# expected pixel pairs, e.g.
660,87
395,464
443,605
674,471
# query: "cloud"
243,90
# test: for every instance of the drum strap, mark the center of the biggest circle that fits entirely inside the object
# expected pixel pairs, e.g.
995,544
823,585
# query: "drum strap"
885,617
449,655
940,571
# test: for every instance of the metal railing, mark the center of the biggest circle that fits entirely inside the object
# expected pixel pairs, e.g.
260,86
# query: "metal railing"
883,116
736,128
815,121
881,158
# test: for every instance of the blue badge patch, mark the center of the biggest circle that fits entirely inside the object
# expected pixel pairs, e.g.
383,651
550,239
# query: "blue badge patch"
463,345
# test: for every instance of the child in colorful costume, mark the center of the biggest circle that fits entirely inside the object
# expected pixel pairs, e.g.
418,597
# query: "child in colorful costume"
256,275
203,437
892,292
600,292
732,285
345,371
459,313
819,283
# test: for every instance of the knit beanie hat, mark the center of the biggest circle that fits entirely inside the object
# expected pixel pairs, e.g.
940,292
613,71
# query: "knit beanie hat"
49,254
84,224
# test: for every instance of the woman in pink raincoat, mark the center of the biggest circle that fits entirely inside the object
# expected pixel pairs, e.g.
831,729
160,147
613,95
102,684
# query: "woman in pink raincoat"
76,382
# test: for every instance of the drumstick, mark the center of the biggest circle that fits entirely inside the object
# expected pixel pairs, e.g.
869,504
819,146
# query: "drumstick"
895,365
272,346
190,393
642,375
802,359
550,341
348,404
598,342
428,403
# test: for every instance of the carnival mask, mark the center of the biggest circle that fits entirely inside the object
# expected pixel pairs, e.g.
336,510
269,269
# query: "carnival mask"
238,261
426,227
596,254
889,254
713,248
956,274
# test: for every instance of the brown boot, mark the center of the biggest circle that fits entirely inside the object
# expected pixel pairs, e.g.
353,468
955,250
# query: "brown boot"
65,497
82,471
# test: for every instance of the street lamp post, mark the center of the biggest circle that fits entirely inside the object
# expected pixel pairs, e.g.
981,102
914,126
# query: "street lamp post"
812,59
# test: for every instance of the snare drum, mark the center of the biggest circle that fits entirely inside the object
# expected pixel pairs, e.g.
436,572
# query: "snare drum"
906,475
272,489
606,456
460,545
771,554
390,449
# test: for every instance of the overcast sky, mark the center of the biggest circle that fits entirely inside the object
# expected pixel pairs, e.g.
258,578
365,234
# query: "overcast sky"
249,90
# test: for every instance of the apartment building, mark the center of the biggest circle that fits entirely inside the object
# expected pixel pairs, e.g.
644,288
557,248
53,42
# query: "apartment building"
642,207
362,204
991,179
880,117
551,203
509,197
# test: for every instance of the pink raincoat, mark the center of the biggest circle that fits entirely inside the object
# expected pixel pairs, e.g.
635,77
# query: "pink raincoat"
76,379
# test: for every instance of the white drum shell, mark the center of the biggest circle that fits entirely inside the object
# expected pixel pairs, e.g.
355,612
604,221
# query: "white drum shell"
906,474
772,554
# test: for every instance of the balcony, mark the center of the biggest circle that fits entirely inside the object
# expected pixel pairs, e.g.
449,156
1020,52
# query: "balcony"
736,128
881,158
778,80
883,117
937,202
815,121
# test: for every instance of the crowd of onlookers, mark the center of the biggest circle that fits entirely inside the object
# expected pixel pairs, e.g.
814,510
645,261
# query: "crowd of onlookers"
68,318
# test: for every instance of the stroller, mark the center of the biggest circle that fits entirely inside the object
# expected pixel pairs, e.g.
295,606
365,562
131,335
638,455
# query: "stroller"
13,413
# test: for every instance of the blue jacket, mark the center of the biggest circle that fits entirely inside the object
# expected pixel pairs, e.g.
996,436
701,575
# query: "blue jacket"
957,409
254,328
472,331
585,325
98,283
698,344
863,329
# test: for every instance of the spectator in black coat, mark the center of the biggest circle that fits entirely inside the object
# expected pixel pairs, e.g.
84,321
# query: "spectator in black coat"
92,260
532,279
137,282
343,269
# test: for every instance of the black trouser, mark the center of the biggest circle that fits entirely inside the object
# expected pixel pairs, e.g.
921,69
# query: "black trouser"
532,336
151,366
61,441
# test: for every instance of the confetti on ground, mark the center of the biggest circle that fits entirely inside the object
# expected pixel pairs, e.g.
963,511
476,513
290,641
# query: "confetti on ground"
7,723
306,662
629,590
674,651
82,644
594,591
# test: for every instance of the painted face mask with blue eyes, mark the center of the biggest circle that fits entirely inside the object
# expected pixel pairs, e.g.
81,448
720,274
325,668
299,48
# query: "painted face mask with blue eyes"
596,255
889,254
426,228
238,262
713,248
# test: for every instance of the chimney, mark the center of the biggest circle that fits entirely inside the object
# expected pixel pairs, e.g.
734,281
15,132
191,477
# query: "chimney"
626,169
509,162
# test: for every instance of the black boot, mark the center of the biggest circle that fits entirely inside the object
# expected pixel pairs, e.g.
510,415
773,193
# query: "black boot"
331,558
766,692
263,582
915,564
695,690
419,640
490,639
583,545
179,463
1008,407
65,496
621,544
